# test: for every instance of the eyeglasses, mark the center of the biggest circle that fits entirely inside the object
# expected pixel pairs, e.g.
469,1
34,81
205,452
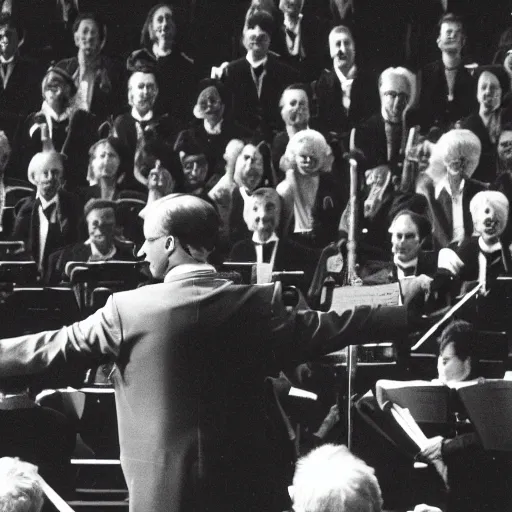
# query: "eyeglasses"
155,238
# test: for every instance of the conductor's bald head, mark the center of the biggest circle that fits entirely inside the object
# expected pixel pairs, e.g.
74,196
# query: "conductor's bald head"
178,229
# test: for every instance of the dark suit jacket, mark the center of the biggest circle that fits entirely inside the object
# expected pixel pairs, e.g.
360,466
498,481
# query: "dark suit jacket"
486,170
26,223
22,95
314,32
434,107
258,114
109,94
191,356
440,210
328,108
81,134
78,252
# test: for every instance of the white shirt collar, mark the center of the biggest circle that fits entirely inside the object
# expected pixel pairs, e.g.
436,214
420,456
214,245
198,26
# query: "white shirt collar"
188,268
99,256
9,61
257,240
45,203
489,248
350,75
405,264
213,130
255,63
292,27
50,113
160,53
443,184
140,118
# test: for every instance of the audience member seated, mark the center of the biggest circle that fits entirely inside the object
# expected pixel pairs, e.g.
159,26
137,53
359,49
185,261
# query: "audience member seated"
331,479
254,83
214,129
447,89
449,187
347,94
477,480
21,489
295,113
175,71
98,78
383,136
312,202
297,40
102,244
39,435
135,127
197,178
262,215
492,86
408,232
482,257
20,80
50,219
105,172
69,131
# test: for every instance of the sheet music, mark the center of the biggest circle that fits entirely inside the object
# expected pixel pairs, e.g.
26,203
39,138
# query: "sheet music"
349,297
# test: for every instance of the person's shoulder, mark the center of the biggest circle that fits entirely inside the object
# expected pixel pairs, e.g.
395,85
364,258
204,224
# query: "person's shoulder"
432,67
23,206
474,186
70,64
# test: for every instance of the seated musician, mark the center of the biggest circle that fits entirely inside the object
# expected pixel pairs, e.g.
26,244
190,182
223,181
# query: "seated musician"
102,245
312,200
448,186
482,257
408,232
262,214
50,219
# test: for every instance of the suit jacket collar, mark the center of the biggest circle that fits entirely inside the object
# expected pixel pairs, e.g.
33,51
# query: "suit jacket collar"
189,270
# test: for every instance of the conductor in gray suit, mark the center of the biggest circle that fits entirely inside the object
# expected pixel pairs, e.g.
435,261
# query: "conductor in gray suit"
190,358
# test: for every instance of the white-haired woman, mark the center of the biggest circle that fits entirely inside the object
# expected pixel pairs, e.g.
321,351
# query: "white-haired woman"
312,199
448,186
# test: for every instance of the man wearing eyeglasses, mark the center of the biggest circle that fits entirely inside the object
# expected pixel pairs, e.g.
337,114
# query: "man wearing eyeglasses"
190,356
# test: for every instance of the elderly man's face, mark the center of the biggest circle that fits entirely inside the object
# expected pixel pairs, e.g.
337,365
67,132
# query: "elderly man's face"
450,367
87,38
263,217
105,162
295,108
162,26
505,147
249,167
143,91
101,225
8,42
256,41
451,37
343,50
489,222
405,239
48,177
57,93
195,168
394,95
488,92
291,7
210,104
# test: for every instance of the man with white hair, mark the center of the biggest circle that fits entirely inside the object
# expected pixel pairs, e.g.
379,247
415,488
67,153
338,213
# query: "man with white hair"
383,136
346,94
50,219
331,479
191,355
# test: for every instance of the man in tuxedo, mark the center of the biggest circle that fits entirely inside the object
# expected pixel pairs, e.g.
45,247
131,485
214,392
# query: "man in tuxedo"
447,89
347,94
20,79
49,220
255,82
383,136
102,245
297,40
191,354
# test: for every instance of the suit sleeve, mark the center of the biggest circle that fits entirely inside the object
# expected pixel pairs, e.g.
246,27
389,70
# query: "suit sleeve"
97,336
305,334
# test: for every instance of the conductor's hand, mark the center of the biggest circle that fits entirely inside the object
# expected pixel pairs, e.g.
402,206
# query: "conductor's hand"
433,450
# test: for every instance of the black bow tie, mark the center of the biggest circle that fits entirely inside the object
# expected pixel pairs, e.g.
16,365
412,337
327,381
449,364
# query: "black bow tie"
258,70
407,271
49,210
291,34
267,247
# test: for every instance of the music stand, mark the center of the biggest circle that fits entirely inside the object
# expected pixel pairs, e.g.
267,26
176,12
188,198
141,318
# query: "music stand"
18,272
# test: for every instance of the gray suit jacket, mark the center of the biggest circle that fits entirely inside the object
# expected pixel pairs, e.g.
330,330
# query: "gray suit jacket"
191,355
